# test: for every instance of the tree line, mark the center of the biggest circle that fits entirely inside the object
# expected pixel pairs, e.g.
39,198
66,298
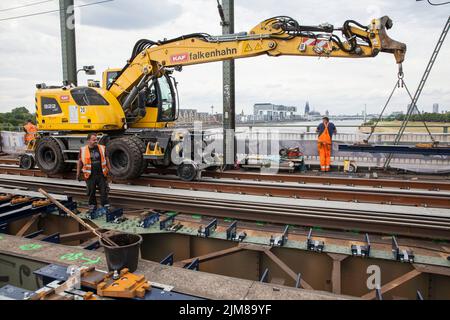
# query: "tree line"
14,120
428,117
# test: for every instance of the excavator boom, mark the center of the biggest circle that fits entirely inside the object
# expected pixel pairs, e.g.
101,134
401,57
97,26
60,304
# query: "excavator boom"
275,37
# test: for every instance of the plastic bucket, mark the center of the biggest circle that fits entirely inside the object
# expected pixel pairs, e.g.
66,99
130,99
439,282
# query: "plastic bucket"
126,255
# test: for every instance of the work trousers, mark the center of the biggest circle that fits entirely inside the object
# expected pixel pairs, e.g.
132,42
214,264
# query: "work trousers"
325,156
94,181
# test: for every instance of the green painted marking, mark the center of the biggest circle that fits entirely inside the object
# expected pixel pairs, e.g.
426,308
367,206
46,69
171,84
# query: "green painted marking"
71,256
79,256
171,213
228,220
260,223
196,216
30,246
1,238
90,261
316,228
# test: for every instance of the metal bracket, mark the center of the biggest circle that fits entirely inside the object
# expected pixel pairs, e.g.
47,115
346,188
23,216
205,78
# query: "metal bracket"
361,251
92,246
167,222
206,231
280,240
34,234
404,255
168,261
194,265
264,276
314,245
53,238
149,220
112,216
298,281
232,233
419,295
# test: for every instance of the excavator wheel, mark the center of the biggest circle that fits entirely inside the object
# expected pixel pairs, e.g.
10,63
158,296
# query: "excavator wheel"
49,156
125,157
142,148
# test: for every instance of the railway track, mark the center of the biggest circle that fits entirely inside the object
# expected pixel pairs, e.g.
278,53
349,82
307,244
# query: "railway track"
298,189
406,184
433,224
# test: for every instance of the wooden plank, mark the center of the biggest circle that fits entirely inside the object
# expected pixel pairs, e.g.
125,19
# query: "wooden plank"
27,225
393,284
286,269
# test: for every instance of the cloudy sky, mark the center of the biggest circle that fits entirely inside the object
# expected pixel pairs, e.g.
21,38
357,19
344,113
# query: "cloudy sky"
105,33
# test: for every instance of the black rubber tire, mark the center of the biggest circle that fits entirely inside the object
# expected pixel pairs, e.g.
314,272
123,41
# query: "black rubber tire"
26,162
49,156
142,148
125,157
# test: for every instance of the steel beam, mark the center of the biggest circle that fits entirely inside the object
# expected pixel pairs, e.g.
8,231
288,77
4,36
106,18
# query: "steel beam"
28,225
212,255
68,45
229,99
286,269
76,236
336,271
393,284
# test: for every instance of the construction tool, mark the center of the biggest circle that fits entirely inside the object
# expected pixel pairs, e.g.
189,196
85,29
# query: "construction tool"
80,221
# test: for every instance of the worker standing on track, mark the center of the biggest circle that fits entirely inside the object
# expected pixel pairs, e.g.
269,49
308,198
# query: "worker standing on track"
325,130
30,131
94,164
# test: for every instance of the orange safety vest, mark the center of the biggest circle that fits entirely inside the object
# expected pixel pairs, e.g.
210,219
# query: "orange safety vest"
85,156
31,130
325,137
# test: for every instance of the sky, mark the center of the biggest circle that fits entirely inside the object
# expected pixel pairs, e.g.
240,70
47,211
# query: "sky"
30,52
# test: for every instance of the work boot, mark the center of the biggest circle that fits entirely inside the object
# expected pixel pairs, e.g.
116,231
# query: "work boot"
91,210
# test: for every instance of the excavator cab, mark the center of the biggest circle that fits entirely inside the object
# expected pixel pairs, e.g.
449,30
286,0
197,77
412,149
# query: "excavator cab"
109,75
156,103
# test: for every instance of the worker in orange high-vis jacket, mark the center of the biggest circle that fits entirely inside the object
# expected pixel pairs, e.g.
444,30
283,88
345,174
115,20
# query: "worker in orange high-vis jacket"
94,166
325,132
30,131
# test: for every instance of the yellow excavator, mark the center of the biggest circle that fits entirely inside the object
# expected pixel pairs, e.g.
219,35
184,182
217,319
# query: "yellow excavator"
135,109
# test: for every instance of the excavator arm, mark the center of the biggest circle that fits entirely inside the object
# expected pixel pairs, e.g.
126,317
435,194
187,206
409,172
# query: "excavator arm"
275,37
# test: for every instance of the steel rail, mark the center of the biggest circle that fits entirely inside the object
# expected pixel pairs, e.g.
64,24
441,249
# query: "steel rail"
321,192
419,226
295,177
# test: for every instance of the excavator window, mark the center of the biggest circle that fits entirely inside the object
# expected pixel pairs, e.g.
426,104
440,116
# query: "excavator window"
85,96
167,98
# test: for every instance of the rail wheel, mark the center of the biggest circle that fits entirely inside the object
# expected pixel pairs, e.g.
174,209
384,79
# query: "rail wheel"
125,157
187,171
49,156
26,161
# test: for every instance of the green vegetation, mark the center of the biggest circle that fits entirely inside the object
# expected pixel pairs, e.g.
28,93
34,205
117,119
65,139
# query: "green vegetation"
14,120
428,117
